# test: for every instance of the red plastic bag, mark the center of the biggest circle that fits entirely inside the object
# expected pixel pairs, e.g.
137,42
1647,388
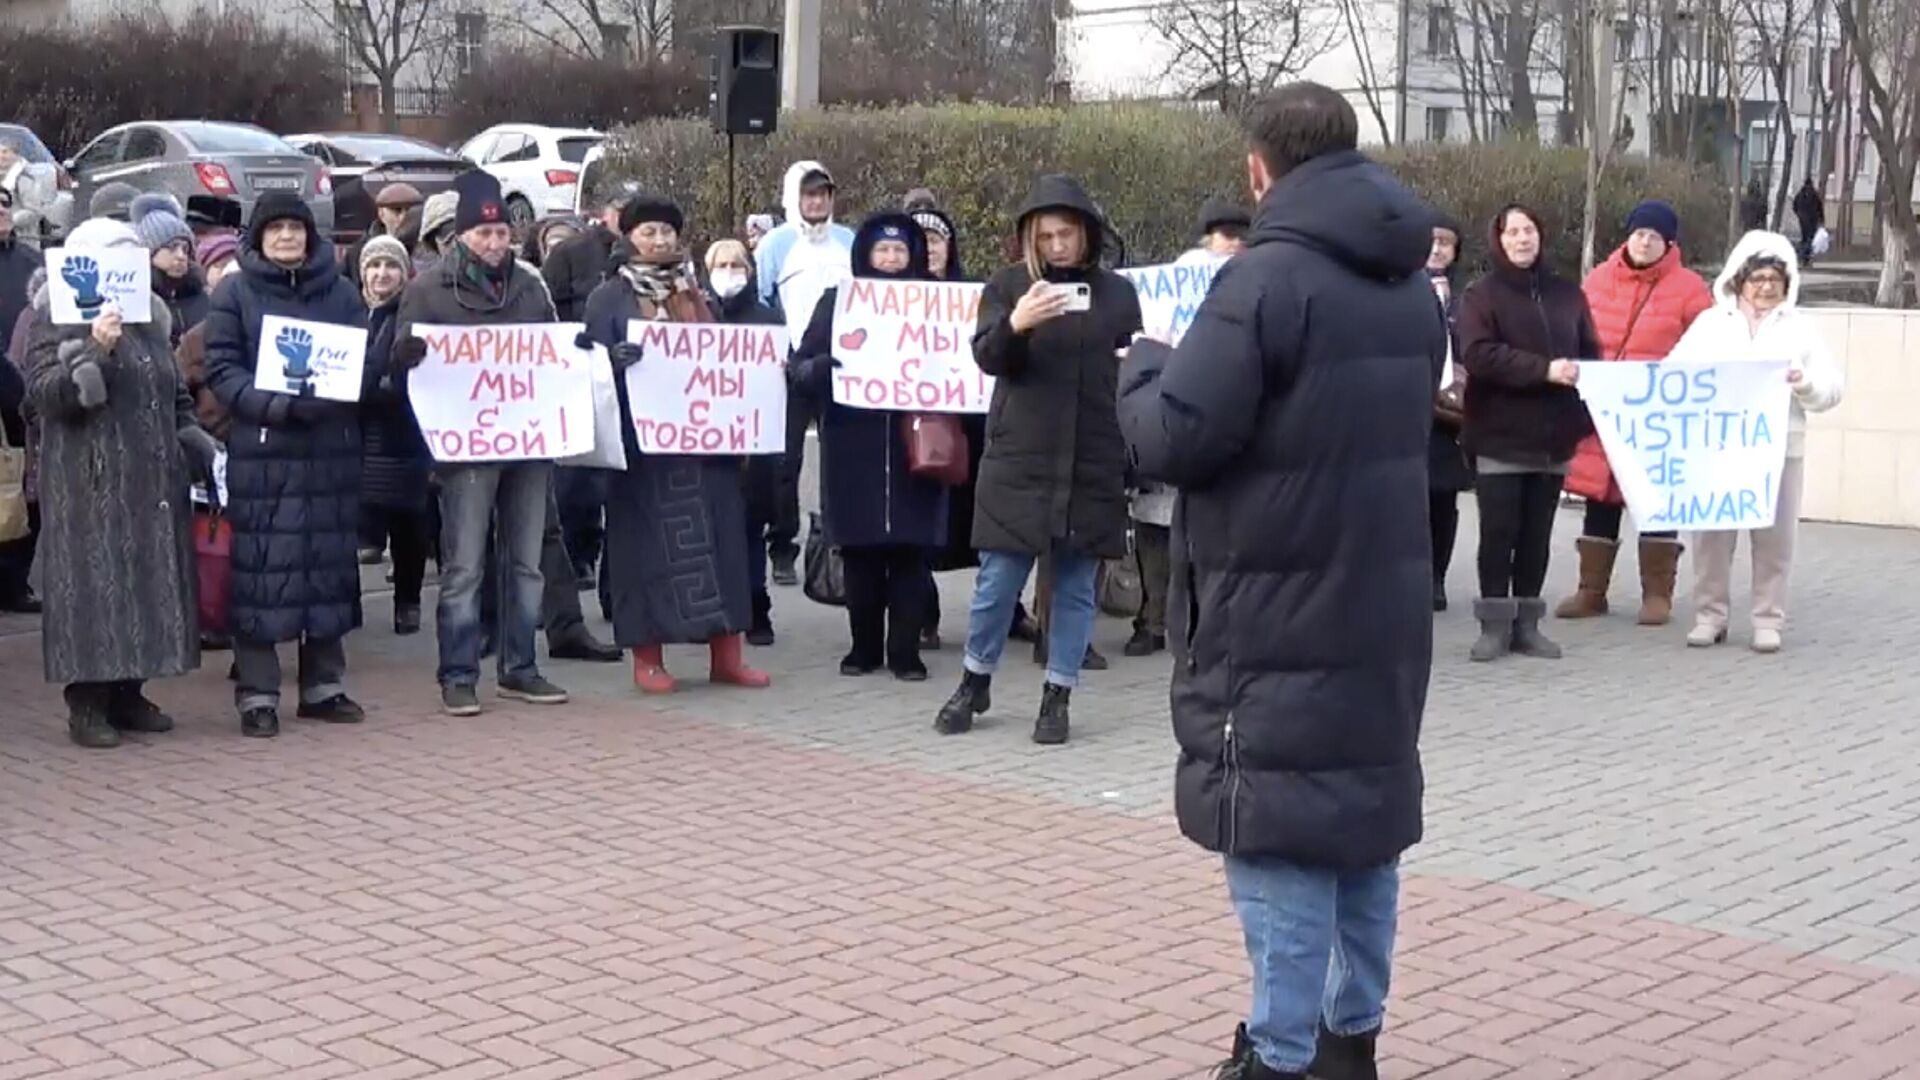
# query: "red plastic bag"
213,554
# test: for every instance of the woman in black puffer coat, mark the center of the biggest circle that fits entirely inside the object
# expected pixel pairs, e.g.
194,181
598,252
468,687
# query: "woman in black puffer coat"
1521,331
884,519
396,465
293,475
1052,480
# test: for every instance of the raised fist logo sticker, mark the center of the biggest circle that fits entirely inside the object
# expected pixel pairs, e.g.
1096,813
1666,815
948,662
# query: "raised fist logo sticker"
82,275
296,348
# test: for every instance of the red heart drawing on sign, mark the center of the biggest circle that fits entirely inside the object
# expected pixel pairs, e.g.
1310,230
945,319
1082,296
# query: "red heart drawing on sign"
852,340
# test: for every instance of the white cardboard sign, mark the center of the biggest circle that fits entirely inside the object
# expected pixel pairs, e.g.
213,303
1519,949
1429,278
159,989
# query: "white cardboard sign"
81,282
310,359
512,392
707,388
908,345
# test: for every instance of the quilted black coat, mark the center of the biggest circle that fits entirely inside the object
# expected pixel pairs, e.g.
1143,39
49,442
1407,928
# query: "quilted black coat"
1294,419
293,471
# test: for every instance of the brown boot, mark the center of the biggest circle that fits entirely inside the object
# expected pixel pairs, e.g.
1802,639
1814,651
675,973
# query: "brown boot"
1659,566
1596,573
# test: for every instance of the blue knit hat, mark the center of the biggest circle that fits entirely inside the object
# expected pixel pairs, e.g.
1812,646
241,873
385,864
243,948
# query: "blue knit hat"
1656,215
158,220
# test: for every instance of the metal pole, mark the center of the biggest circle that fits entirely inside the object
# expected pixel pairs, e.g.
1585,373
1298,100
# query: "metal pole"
800,60
733,214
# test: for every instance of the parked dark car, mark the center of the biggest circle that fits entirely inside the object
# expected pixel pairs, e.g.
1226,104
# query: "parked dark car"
362,164
203,157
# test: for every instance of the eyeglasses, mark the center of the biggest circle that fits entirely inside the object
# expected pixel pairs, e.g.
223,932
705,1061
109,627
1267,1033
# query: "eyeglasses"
1774,280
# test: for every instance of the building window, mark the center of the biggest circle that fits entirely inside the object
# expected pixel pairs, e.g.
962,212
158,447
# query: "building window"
1498,28
469,40
616,40
1438,121
1439,30
350,34
1622,40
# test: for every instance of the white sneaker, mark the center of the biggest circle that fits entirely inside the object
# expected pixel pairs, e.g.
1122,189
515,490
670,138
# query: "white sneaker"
1766,640
1705,636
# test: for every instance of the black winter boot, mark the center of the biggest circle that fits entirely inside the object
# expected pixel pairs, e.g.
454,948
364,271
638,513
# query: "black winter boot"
1246,1065
88,723
973,697
760,631
1496,616
1344,1057
129,710
1051,728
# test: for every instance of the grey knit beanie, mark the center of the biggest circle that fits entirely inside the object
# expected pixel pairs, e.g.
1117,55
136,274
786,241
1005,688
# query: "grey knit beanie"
158,220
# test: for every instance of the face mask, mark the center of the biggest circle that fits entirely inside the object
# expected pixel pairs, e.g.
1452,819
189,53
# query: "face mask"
729,283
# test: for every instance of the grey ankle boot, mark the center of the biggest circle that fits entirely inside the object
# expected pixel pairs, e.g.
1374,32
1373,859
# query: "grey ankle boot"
1527,638
1496,615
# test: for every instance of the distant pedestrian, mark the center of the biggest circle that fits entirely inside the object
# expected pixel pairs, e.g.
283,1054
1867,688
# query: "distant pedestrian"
390,209
1448,473
1810,209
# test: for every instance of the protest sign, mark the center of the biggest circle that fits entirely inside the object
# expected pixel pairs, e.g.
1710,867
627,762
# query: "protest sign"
82,281
310,359
703,388
1170,295
1693,446
908,345
513,392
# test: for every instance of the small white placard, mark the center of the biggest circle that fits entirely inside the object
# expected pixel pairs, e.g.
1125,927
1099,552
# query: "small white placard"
83,281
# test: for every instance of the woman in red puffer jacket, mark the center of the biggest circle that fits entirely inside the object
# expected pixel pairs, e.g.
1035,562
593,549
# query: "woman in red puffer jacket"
1642,301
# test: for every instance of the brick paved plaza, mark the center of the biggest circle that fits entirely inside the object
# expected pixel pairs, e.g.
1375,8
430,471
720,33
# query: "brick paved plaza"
1641,862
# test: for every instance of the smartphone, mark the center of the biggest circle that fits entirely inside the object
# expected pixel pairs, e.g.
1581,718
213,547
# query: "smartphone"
1079,296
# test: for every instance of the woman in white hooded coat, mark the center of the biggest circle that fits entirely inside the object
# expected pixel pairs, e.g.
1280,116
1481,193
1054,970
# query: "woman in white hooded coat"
1756,316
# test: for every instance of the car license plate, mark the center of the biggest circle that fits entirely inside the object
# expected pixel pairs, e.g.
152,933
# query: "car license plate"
275,183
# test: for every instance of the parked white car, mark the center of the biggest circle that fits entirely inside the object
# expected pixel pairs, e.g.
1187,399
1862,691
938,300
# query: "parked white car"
538,167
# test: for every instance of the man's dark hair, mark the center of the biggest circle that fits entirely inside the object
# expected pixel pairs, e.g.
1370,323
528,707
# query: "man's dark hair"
1298,122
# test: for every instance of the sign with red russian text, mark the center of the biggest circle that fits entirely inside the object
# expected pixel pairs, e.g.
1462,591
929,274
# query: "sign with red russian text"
908,345
515,392
704,388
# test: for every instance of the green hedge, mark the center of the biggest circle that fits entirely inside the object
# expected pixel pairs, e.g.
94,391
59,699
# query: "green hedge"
1150,167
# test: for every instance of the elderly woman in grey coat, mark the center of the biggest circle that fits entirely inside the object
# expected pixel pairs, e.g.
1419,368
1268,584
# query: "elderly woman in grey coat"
116,550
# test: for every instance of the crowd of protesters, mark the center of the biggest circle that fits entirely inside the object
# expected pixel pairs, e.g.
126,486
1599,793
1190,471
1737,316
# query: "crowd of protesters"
1264,473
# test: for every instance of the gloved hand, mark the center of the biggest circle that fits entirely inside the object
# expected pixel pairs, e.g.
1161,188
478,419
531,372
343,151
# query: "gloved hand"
91,383
201,449
625,355
407,353
582,340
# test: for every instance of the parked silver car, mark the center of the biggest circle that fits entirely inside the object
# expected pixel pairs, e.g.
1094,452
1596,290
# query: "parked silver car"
201,157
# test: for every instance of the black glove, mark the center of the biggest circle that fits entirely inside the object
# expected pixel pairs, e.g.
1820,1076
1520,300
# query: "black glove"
625,355
583,340
201,449
407,353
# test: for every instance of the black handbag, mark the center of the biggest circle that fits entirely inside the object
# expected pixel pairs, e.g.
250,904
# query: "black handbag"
825,574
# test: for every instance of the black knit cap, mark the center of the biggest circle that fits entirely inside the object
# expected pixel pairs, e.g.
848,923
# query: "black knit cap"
480,201
642,209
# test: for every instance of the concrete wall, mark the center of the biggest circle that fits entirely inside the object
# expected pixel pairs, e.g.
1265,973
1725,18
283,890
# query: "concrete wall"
1863,457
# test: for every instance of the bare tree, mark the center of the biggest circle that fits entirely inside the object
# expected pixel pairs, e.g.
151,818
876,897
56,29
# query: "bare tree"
382,37
1356,20
1232,50
1604,106
616,29
1884,36
1778,29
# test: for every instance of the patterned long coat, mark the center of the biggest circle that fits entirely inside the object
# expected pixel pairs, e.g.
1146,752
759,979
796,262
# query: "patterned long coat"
116,543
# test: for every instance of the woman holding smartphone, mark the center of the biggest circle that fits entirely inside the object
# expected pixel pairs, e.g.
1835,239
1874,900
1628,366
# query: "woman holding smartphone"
1052,477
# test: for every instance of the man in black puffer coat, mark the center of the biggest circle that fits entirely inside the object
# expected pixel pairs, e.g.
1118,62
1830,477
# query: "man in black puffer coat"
293,475
1293,418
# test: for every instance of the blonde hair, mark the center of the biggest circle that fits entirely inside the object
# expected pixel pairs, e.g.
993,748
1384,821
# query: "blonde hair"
728,248
1030,239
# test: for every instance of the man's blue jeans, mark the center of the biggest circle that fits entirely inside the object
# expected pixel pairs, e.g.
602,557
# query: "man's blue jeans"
996,590
471,496
1321,945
